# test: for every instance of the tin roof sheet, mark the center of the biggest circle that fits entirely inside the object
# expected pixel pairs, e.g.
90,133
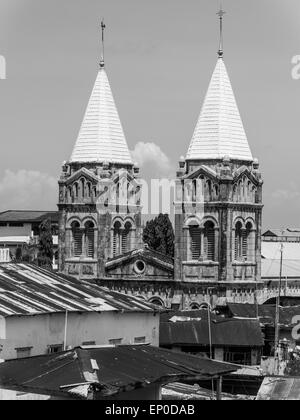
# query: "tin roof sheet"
30,290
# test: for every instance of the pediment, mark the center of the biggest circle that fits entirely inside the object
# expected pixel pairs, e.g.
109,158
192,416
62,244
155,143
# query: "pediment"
83,173
203,170
122,174
242,172
147,256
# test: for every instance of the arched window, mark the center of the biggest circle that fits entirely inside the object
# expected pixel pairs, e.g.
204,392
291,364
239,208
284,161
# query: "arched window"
82,187
75,190
76,239
243,242
89,239
249,247
88,189
195,242
208,190
157,301
238,241
116,238
194,191
126,238
209,241
69,195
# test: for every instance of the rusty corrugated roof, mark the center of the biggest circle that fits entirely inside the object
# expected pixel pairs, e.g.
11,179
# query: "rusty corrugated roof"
120,369
229,332
29,290
266,313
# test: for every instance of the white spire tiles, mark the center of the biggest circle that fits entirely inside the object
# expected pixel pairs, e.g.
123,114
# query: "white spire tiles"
219,131
101,137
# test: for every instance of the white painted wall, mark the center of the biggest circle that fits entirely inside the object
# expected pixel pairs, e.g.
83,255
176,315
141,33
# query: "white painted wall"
16,231
40,331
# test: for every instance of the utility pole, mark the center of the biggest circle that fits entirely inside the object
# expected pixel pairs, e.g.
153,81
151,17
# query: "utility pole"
277,316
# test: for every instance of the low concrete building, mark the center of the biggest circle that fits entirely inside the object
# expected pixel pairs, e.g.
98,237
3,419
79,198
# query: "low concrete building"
232,340
20,229
42,312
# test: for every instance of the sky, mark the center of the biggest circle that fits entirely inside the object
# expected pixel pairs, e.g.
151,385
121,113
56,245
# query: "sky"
160,55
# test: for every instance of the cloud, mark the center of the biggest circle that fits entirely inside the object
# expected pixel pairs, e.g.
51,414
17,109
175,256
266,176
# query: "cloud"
152,160
26,190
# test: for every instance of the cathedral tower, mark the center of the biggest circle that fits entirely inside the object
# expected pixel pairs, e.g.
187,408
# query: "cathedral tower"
95,223
219,194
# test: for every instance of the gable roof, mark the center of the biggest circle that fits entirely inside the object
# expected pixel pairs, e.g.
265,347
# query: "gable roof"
29,290
101,137
146,253
219,131
120,369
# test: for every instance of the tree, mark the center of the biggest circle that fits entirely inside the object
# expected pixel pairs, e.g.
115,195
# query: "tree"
45,247
159,235
19,254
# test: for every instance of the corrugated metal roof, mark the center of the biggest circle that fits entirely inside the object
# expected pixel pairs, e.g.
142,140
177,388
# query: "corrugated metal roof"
289,232
266,313
101,137
230,332
270,269
28,216
219,131
120,369
271,250
30,290
279,388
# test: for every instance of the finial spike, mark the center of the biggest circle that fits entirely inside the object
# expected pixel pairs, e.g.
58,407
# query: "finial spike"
221,14
103,26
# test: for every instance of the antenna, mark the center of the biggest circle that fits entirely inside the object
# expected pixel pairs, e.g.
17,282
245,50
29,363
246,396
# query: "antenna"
221,14
103,26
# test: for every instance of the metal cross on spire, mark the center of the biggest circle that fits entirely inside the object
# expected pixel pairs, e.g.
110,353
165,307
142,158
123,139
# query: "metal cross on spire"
103,26
221,14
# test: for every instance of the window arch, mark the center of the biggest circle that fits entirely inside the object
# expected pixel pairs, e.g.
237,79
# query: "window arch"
209,241
157,301
126,237
89,239
75,190
195,242
238,241
82,187
243,241
116,238
194,306
76,239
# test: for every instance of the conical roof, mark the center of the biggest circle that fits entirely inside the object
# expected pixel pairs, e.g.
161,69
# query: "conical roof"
219,131
101,137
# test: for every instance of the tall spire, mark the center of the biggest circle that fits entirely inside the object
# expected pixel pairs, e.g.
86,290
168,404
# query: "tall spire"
101,137
219,131
221,14
102,61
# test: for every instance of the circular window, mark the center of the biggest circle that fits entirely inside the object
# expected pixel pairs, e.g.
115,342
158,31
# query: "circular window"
140,267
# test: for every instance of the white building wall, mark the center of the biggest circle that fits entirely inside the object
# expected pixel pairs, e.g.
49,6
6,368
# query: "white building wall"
24,230
4,255
41,331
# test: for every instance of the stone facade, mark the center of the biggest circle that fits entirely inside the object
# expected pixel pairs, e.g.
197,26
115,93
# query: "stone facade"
94,224
218,228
